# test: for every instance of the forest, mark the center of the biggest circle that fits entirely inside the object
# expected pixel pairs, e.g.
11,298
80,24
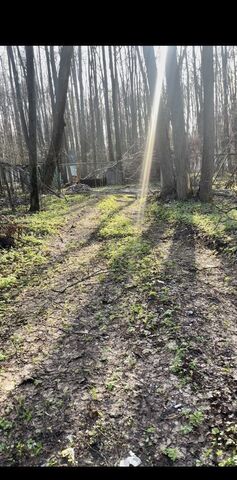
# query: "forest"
118,244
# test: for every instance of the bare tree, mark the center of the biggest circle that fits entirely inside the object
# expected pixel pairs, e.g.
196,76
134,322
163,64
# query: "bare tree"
176,107
162,136
58,120
83,131
18,94
107,110
30,79
226,133
208,125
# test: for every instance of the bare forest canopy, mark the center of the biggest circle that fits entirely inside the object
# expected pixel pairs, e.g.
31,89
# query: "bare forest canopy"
92,106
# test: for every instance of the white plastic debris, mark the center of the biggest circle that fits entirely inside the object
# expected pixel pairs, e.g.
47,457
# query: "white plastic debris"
132,459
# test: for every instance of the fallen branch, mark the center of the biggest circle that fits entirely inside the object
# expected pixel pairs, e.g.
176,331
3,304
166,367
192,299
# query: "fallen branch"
223,193
81,280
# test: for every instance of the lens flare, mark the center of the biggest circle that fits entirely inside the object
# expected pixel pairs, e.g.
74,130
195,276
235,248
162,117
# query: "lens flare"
147,160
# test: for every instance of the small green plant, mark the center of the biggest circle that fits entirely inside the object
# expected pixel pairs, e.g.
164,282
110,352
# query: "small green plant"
164,295
3,447
27,415
152,295
5,424
177,365
207,453
185,429
110,386
196,418
193,365
172,453
7,282
33,447
20,448
2,357
136,309
93,393
229,462
99,316
151,429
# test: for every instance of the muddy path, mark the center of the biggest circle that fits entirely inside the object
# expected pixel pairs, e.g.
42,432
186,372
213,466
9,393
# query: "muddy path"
98,364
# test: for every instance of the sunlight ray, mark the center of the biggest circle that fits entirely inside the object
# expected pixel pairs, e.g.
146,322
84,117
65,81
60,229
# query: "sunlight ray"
147,160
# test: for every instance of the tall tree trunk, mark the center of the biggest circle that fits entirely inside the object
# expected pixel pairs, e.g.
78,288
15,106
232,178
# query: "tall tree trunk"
125,102
4,177
34,194
53,66
16,115
58,120
91,105
198,98
175,103
115,106
107,113
74,120
208,125
46,126
132,97
98,119
144,78
188,92
51,90
18,95
162,135
113,73
226,139
83,133
79,133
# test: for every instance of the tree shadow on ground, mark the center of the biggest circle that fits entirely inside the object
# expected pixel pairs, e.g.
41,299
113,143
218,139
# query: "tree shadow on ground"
108,382
90,235
186,358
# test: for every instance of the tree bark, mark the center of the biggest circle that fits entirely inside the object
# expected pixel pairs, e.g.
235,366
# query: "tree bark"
113,73
58,120
30,77
162,136
208,125
83,133
175,103
18,95
107,112
226,139
92,113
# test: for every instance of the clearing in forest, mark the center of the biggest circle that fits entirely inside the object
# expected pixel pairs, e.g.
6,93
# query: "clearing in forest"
118,338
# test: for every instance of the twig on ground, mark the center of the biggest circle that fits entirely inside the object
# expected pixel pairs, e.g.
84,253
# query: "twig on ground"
81,280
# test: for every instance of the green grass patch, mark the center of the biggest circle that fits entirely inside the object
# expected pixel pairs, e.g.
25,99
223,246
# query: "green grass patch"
19,266
114,224
212,219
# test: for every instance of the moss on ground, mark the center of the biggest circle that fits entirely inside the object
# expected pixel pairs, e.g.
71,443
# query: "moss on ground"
19,266
215,221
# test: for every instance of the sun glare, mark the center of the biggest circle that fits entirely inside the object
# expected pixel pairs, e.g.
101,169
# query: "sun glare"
147,161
